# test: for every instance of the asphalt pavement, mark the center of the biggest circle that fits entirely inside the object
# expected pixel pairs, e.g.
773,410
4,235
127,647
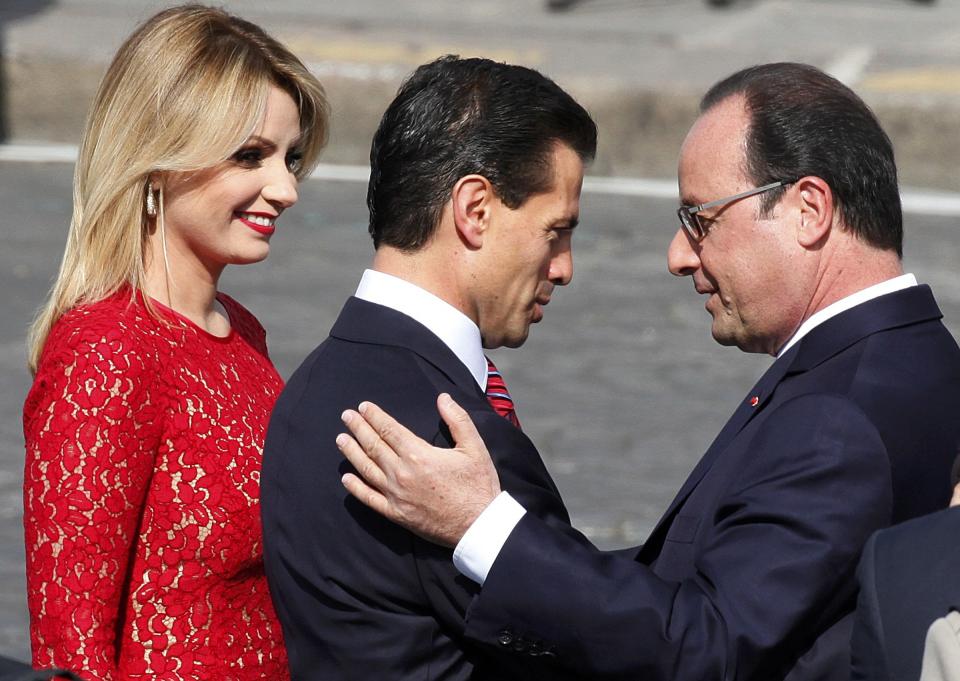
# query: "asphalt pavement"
638,65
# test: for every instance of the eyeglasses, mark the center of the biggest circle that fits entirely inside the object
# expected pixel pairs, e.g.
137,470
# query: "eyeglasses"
691,222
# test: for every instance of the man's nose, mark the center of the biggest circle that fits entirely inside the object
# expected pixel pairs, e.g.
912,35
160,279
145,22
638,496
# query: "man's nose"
561,268
682,259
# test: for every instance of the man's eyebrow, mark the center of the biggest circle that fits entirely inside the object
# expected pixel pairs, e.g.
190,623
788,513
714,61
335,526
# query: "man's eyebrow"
567,223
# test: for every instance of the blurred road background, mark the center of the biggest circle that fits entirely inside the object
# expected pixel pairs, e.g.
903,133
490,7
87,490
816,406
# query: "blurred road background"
621,385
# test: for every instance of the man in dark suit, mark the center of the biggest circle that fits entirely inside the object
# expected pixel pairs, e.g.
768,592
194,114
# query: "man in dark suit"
908,579
791,224
474,193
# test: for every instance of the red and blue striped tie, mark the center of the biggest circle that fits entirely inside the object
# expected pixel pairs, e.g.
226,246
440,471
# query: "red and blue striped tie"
498,396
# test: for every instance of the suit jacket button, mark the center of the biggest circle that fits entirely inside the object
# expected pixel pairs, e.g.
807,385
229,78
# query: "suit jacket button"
534,650
520,644
505,637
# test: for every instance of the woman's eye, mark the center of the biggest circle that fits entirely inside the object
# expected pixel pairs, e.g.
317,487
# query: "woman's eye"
294,161
248,157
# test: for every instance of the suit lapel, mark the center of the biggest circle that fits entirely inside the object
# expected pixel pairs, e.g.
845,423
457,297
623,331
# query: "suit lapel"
749,406
901,308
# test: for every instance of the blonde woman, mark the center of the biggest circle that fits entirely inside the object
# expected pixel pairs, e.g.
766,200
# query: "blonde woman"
145,423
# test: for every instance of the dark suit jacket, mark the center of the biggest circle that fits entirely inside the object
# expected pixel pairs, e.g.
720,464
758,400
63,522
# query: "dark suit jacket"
909,576
752,566
358,597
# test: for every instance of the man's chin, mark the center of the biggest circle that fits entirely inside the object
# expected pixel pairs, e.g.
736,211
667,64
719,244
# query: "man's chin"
724,336
517,338
506,340
514,342
744,342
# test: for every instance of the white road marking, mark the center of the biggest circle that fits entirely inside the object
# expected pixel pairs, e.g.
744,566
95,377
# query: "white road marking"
915,201
849,65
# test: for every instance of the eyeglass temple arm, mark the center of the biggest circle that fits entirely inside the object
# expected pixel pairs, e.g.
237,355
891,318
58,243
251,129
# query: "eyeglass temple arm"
735,197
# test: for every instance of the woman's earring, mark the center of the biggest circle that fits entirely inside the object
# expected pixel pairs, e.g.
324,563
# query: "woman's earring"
151,202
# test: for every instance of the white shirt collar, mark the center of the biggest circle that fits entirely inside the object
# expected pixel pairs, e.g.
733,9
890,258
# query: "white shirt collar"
450,325
844,304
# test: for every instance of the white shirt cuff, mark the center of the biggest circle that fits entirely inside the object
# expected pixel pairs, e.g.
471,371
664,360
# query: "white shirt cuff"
482,542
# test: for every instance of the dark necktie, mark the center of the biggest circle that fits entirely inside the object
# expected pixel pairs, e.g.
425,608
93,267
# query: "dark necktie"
498,396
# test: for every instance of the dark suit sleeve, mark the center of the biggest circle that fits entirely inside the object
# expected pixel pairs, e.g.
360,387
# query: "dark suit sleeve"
867,643
785,538
524,476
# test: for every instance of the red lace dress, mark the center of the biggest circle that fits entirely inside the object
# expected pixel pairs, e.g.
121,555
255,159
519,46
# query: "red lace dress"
141,497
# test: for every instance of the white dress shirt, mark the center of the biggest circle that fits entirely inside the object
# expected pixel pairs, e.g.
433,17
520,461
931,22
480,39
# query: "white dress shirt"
450,325
844,304
481,544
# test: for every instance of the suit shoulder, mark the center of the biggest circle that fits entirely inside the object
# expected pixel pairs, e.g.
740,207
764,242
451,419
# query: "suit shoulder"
338,362
340,374
911,358
923,534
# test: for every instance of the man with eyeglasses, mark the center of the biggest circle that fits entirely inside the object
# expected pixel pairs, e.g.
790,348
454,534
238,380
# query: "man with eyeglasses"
791,225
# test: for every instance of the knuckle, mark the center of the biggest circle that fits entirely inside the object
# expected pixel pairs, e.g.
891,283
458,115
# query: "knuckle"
404,478
368,439
382,448
386,431
372,447
365,469
370,471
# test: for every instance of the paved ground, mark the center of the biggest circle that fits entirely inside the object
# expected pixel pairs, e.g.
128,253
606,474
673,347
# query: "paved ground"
620,386
639,65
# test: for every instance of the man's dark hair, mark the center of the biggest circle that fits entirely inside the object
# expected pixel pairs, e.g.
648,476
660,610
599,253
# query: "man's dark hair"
804,122
455,117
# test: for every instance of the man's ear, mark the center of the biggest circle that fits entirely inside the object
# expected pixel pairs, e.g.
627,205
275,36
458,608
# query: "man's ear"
472,199
816,205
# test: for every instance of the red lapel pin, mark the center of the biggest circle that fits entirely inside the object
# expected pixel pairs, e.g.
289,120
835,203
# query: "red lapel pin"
754,401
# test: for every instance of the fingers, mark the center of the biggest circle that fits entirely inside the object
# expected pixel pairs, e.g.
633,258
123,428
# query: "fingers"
367,437
368,496
461,426
429,491
391,432
366,467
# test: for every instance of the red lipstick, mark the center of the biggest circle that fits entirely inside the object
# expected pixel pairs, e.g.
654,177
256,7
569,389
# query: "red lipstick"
266,230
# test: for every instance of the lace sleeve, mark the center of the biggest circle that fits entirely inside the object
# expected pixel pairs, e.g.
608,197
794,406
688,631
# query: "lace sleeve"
90,431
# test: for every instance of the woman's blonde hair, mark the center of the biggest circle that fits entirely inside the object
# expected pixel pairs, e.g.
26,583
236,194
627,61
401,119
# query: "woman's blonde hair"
183,93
